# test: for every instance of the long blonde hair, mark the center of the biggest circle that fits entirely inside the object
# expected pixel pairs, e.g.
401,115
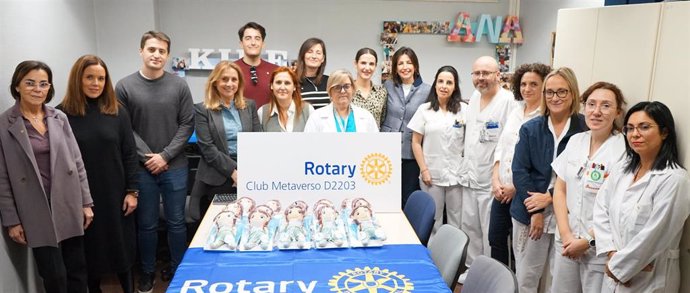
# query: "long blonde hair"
212,97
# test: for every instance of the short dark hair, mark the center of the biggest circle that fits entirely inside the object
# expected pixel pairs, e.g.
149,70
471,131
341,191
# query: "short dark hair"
363,51
620,99
540,69
252,25
22,70
394,63
668,154
154,35
455,98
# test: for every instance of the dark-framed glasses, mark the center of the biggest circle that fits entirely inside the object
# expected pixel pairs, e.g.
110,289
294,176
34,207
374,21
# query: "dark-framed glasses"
561,93
641,128
252,75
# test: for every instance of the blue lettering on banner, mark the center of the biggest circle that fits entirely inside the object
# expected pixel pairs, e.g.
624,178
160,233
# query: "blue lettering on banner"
310,168
243,286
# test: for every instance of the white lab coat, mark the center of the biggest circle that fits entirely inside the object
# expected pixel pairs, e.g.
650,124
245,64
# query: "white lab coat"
643,222
443,143
323,120
480,153
583,176
505,149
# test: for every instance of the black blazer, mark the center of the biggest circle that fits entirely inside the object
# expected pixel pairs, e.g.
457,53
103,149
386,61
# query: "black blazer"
216,165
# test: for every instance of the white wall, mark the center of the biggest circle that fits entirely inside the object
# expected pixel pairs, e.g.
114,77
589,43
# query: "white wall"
538,21
56,32
345,26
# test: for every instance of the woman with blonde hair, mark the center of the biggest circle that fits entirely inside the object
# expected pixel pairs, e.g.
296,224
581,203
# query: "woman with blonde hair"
217,120
103,131
341,115
285,111
541,140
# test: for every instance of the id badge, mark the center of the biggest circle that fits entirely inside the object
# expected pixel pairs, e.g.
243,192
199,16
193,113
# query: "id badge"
490,132
595,175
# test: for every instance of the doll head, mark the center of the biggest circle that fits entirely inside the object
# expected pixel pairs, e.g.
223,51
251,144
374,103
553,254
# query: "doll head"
358,202
235,208
345,204
246,203
259,218
322,202
295,212
225,219
361,214
266,209
326,214
303,204
274,204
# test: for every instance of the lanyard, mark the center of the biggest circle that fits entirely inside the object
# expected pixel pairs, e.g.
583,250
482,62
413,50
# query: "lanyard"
340,123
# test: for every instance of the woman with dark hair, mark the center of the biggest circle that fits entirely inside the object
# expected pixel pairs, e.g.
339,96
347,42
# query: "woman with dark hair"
438,139
217,120
641,209
368,95
45,201
527,84
285,111
311,63
104,134
541,140
406,92
582,168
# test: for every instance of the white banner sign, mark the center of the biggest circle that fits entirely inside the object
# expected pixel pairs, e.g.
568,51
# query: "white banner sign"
313,166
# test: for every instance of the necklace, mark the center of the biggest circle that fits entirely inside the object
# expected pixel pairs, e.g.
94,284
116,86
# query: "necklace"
36,118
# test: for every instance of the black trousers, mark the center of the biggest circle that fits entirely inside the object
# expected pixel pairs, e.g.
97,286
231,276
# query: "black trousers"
410,179
205,193
500,227
63,268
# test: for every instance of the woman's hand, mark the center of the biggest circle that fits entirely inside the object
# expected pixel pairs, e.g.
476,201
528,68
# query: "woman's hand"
608,272
17,234
575,248
129,204
233,176
426,177
497,188
537,201
536,226
508,193
88,217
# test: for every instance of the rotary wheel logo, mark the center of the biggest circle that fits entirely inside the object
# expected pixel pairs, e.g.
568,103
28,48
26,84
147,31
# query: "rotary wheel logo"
376,168
370,280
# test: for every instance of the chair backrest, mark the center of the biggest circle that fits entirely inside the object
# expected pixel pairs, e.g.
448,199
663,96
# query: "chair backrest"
420,210
487,275
448,249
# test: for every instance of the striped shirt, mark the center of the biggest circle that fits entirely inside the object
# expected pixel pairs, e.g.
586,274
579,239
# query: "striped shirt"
315,94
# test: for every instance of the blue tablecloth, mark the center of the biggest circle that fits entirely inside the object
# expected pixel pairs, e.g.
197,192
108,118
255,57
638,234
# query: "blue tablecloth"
391,268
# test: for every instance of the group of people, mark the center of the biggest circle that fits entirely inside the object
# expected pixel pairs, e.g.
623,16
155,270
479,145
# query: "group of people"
605,201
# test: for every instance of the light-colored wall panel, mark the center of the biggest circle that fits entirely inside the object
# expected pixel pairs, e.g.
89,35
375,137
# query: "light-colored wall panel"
575,42
625,46
671,85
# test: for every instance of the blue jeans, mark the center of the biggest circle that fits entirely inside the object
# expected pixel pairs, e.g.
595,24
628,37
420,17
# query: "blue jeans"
171,185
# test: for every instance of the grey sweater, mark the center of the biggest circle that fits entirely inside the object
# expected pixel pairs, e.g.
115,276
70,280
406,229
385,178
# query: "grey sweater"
162,115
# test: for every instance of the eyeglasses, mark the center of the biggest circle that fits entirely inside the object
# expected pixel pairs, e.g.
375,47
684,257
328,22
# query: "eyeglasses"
30,84
482,74
561,93
604,107
252,73
342,87
641,128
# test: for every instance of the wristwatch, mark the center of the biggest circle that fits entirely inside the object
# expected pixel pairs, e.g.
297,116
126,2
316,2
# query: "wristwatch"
592,242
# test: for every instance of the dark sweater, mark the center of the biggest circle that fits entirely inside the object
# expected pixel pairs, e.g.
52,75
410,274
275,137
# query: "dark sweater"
162,115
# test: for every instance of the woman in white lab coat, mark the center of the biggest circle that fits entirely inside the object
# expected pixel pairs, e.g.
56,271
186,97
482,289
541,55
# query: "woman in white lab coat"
582,168
438,140
341,115
641,208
